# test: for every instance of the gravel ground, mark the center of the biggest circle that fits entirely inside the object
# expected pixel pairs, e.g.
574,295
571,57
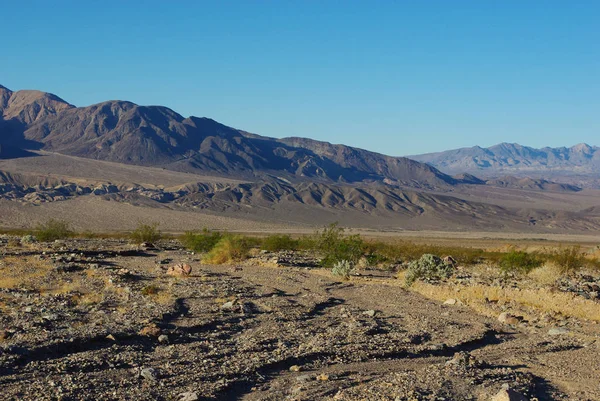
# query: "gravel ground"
101,320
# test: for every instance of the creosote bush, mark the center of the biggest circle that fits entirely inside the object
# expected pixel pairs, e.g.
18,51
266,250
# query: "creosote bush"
229,248
274,243
201,242
336,246
519,262
428,267
53,229
343,269
569,259
146,233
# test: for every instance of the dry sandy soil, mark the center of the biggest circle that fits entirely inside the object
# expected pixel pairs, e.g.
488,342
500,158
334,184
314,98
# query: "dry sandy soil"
100,320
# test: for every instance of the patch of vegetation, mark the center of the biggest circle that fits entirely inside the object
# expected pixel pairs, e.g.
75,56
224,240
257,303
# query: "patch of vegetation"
336,246
342,269
53,229
428,267
201,241
150,289
519,262
409,251
274,243
569,259
146,233
229,248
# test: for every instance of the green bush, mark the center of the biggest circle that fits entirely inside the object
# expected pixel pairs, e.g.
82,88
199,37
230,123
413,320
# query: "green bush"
342,269
274,243
428,267
229,248
519,262
53,229
146,233
569,259
335,246
201,242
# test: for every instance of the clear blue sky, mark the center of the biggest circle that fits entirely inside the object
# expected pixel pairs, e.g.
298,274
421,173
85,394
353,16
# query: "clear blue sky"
398,77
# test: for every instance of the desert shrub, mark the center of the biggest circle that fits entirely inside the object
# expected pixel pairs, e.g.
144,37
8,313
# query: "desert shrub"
229,248
519,262
569,259
28,239
146,233
53,229
274,243
150,289
409,251
343,269
201,242
428,267
336,246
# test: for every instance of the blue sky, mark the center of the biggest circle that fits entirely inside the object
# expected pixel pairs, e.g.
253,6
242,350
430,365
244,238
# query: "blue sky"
397,77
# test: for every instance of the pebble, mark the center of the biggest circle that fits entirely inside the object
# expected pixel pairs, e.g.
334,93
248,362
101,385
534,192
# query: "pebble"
189,396
370,313
323,377
149,374
557,331
294,368
163,338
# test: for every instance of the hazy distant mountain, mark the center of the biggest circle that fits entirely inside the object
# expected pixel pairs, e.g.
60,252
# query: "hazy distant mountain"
579,162
124,132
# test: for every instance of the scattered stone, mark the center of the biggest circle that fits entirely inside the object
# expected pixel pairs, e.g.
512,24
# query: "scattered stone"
151,330
450,301
111,337
180,270
189,396
163,338
370,313
294,368
323,377
149,374
507,318
557,331
506,394
228,306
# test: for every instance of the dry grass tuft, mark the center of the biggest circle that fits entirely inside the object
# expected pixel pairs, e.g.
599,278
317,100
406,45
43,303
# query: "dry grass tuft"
547,274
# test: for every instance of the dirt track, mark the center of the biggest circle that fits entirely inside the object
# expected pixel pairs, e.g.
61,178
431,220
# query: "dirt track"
264,333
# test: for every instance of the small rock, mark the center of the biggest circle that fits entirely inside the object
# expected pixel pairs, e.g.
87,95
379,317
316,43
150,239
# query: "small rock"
509,395
294,368
507,318
558,331
370,313
149,374
230,305
180,270
323,377
163,338
450,301
111,337
189,396
151,330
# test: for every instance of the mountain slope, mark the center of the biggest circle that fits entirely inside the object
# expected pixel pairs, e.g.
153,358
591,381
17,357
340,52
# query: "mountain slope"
124,132
513,159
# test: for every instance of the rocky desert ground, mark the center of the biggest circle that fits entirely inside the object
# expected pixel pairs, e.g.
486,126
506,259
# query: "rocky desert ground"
105,319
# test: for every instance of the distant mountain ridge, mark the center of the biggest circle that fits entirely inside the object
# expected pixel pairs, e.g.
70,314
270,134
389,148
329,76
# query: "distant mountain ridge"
579,162
125,132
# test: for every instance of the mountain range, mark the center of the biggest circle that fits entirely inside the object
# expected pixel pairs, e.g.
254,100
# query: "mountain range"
152,157
124,132
579,164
